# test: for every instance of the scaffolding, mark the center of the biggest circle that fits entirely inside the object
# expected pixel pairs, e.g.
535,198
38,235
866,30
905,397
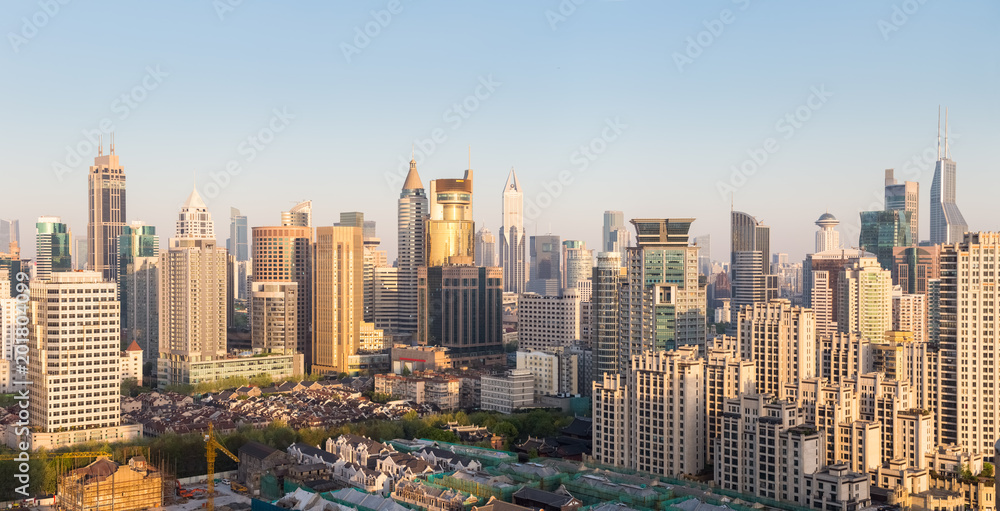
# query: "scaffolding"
481,484
106,485
425,497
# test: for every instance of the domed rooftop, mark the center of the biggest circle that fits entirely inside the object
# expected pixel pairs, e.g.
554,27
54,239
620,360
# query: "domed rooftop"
827,220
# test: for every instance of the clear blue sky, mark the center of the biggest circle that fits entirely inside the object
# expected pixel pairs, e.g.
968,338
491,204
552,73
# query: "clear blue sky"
561,81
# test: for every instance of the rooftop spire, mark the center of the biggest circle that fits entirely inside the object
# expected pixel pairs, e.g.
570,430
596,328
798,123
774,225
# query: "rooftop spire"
112,142
947,154
100,145
413,178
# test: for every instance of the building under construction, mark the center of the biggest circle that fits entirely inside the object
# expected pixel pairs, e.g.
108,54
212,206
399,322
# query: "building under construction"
106,485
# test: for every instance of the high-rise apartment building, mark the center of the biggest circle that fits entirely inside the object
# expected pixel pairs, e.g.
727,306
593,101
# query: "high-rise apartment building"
486,248
749,263
545,322
74,362
337,297
865,300
513,241
138,287
52,247
413,210
904,197
461,308
704,244
726,377
781,341
299,216
274,317
608,276
822,274
545,276
909,314
284,254
883,231
238,243
193,296
827,237
577,267
969,349
663,302
656,421
947,223
106,212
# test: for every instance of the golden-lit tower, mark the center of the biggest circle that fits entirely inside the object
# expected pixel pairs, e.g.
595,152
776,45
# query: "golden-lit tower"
450,229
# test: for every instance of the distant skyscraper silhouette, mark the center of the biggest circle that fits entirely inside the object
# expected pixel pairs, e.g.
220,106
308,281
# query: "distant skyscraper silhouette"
947,223
615,237
749,261
299,216
513,242
106,200
486,248
545,276
413,209
238,243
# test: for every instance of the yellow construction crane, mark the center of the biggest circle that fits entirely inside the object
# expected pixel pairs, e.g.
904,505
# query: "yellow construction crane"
211,444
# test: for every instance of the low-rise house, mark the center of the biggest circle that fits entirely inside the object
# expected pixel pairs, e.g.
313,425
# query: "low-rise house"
560,500
357,449
257,459
447,461
432,498
400,466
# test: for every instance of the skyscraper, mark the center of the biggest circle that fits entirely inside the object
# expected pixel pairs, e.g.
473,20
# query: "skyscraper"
947,223
73,362
461,308
615,237
781,340
704,244
80,253
193,296
904,197
513,242
10,231
450,229
486,248
969,351
238,243
283,254
413,210
749,261
273,317
52,247
608,276
299,216
864,303
545,277
373,257
338,297
827,237
106,187
883,231
663,303
138,258
577,267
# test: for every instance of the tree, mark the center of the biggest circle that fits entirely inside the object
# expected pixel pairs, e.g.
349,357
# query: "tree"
262,380
987,470
405,371
505,429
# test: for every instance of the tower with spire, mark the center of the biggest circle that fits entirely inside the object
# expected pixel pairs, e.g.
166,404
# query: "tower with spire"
513,247
827,237
947,223
105,212
412,213
194,299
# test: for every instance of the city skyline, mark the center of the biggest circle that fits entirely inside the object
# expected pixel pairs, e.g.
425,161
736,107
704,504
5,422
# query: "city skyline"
321,153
